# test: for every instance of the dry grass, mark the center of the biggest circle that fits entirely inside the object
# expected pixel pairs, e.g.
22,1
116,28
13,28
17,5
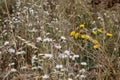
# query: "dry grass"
35,41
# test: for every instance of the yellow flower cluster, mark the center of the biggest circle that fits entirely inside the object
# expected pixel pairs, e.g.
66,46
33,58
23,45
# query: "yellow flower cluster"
96,44
97,31
83,35
74,34
100,31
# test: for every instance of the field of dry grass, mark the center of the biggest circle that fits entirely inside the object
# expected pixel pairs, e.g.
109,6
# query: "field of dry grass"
60,40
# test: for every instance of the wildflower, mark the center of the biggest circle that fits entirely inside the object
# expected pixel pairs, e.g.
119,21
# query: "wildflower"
63,38
74,56
82,70
100,30
34,68
13,70
94,32
38,39
64,69
94,29
47,40
31,11
82,76
67,52
6,43
20,52
72,33
95,42
100,18
23,67
82,36
11,64
59,66
88,37
11,50
62,56
109,34
34,57
83,63
48,56
45,76
76,35
82,25
77,76
58,46
96,46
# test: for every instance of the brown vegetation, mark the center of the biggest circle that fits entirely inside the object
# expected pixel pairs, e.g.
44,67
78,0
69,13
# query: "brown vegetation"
36,41
106,3
7,7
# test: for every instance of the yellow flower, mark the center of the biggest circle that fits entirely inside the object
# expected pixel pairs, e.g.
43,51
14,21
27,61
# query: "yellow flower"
96,46
82,25
76,35
100,30
95,42
82,36
94,32
72,33
87,37
109,34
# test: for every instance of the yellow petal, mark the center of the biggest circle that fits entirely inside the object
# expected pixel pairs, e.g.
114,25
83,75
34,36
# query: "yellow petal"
100,30
109,35
88,37
94,32
96,46
76,35
82,36
72,33
82,25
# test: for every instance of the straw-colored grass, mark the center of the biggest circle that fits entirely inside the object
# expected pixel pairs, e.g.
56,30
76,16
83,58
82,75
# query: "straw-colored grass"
36,42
